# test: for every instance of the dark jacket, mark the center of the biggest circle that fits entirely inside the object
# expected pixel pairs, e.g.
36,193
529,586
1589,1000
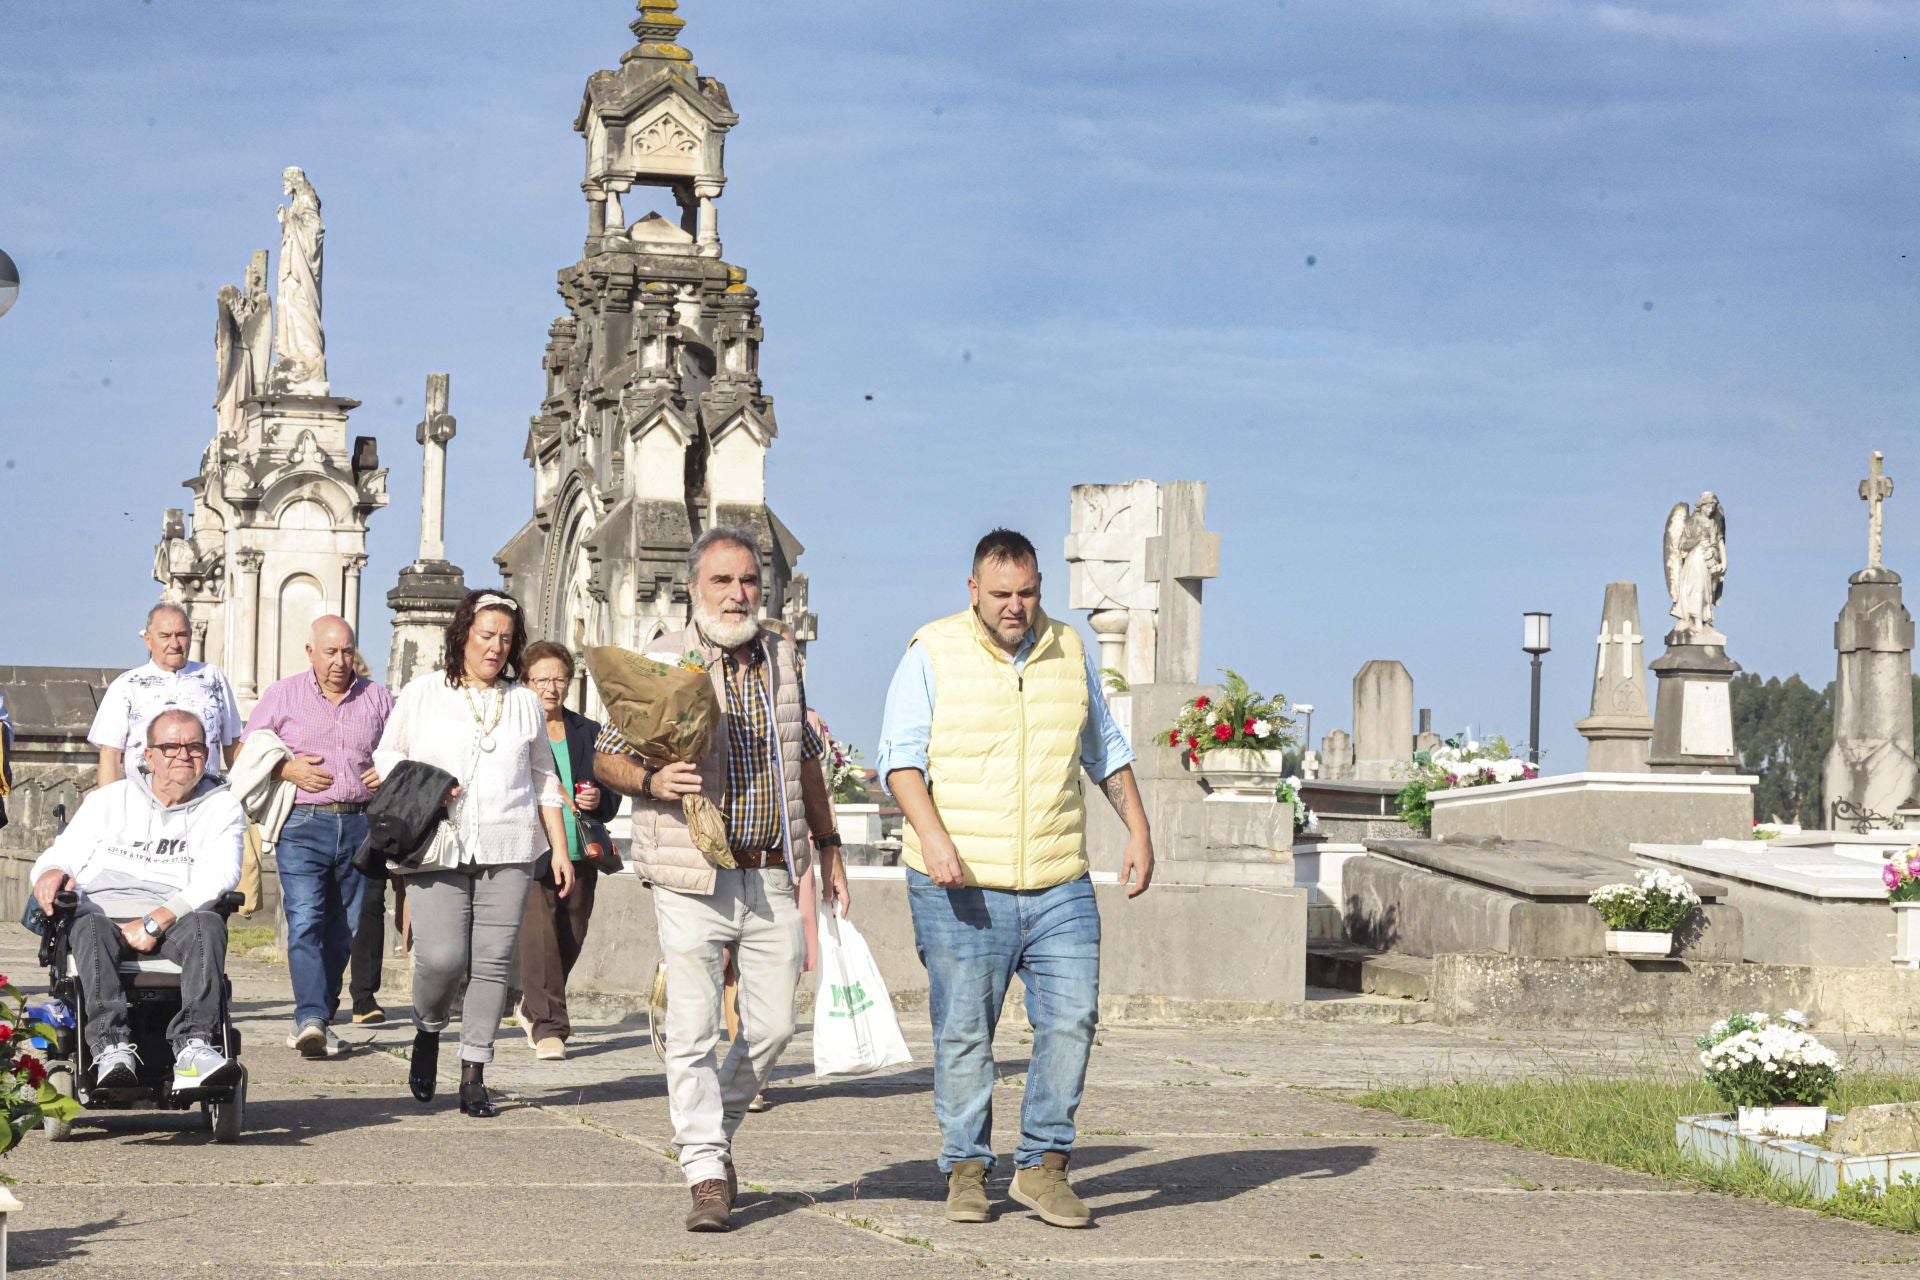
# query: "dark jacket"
582,733
404,815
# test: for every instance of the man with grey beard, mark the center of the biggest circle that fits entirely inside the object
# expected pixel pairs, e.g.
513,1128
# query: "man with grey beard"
763,772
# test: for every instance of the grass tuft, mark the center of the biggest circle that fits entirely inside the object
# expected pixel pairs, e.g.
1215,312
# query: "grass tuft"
1628,1123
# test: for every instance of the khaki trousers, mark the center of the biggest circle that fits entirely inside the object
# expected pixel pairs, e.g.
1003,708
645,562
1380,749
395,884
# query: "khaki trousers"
755,913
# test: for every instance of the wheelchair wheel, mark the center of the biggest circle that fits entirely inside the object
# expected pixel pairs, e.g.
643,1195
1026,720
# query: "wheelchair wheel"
228,1118
60,1078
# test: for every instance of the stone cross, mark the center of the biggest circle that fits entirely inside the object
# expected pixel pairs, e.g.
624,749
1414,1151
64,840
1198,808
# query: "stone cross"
433,433
1626,639
1180,559
1874,491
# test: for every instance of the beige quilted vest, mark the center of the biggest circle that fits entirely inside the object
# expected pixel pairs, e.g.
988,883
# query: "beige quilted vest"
662,851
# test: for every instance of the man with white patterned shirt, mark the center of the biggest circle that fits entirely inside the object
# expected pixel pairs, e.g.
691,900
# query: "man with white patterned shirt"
168,682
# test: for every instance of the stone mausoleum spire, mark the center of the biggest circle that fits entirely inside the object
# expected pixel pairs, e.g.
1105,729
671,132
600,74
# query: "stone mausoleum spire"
430,589
654,425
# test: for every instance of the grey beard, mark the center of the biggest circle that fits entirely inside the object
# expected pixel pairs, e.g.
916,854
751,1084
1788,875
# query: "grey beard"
727,632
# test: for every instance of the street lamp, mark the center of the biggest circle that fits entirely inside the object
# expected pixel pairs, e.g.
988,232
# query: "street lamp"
9,282
1536,640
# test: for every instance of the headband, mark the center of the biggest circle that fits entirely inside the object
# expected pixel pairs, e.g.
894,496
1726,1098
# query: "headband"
491,601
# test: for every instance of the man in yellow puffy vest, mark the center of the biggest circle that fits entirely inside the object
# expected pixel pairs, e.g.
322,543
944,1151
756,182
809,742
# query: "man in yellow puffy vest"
991,717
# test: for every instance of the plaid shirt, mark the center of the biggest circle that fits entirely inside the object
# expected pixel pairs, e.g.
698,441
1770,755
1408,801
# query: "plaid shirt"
752,802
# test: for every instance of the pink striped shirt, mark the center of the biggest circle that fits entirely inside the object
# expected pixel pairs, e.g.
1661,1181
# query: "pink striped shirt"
342,736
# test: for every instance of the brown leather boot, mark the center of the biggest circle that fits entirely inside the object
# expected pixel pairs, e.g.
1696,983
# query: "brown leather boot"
711,1206
1044,1190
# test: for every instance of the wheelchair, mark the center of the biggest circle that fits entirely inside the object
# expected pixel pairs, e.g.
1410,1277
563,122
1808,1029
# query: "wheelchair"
153,998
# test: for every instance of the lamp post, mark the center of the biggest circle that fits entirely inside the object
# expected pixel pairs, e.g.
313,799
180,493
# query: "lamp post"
1306,743
1536,640
9,282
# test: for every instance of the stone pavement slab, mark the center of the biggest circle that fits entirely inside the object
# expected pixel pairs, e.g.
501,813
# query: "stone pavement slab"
1200,1154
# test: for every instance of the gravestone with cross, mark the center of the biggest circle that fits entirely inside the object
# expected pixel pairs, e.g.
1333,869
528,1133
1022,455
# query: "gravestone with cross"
1618,729
1871,764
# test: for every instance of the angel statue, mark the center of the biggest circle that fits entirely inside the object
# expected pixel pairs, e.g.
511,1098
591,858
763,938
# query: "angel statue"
1696,560
299,343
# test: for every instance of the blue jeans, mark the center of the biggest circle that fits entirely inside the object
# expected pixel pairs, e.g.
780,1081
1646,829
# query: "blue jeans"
972,941
323,896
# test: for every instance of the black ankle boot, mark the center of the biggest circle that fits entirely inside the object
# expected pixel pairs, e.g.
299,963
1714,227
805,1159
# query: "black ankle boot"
421,1077
473,1091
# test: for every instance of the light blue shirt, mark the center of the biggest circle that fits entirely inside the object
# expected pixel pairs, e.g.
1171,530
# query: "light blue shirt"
907,725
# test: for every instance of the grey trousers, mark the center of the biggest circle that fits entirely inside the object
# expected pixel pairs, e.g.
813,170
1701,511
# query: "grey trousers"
707,1096
466,927
197,942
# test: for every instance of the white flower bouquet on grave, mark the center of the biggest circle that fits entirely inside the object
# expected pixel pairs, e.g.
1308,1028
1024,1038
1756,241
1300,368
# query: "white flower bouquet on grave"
1288,792
1656,902
1756,1060
1458,762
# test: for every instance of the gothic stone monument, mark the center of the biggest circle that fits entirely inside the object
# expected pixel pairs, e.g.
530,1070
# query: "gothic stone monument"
277,532
1693,712
1871,768
654,425
1618,729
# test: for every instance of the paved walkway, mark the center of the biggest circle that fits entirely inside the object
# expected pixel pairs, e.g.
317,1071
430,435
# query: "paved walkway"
1199,1156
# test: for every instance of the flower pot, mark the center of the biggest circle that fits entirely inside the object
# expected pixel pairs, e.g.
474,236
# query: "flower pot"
1786,1120
1240,771
1906,934
1639,944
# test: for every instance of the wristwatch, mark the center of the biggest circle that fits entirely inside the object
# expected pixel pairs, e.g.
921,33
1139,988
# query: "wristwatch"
831,840
153,929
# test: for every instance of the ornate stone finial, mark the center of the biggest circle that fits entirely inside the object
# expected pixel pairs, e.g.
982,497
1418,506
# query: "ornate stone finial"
658,30
1874,491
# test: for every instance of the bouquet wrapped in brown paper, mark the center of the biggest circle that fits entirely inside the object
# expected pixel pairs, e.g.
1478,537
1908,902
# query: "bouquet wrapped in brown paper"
667,711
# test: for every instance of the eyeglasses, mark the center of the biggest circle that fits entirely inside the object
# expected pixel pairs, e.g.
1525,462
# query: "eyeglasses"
550,682
172,750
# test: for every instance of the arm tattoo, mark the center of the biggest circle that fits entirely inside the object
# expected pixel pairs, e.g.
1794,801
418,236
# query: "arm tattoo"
1116,792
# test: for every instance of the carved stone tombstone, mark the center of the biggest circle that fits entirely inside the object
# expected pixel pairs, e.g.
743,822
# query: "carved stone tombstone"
1871,768
430,589
1109,525
1382,720
1618,729
1336,756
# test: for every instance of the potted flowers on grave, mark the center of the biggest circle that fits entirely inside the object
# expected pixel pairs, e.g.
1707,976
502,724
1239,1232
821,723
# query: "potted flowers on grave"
858,815
1901,874
1288,792
1458,762
1235,741
1642,917
1777,1076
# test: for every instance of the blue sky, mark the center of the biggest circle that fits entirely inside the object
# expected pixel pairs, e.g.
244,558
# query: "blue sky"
1448,303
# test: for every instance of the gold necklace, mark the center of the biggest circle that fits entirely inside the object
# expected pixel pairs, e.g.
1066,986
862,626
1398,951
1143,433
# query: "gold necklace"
486,727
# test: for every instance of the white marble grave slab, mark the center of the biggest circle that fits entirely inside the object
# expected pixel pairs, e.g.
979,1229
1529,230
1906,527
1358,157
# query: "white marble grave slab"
1812,872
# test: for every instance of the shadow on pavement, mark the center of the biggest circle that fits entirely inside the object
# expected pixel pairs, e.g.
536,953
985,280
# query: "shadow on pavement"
270,1122
27,1250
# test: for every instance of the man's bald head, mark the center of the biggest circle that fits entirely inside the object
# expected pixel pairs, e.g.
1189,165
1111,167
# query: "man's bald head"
330,650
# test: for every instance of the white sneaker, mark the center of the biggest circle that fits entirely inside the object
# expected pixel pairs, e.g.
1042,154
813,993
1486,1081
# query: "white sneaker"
199,1065
117,1067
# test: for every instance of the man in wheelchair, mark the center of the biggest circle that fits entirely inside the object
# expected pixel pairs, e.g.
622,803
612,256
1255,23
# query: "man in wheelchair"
149,856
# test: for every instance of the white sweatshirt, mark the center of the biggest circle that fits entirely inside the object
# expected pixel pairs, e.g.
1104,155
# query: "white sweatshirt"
129,853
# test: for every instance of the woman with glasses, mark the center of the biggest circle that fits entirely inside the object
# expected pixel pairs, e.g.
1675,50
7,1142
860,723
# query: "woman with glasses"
555,927
476,721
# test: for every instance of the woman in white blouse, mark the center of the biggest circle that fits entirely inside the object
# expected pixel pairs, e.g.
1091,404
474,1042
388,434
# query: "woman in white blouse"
475,720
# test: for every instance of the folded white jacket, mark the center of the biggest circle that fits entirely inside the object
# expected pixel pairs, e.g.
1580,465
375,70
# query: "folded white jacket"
266,799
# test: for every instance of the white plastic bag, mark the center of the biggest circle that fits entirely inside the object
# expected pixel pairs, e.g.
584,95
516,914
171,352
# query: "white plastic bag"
854,1028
